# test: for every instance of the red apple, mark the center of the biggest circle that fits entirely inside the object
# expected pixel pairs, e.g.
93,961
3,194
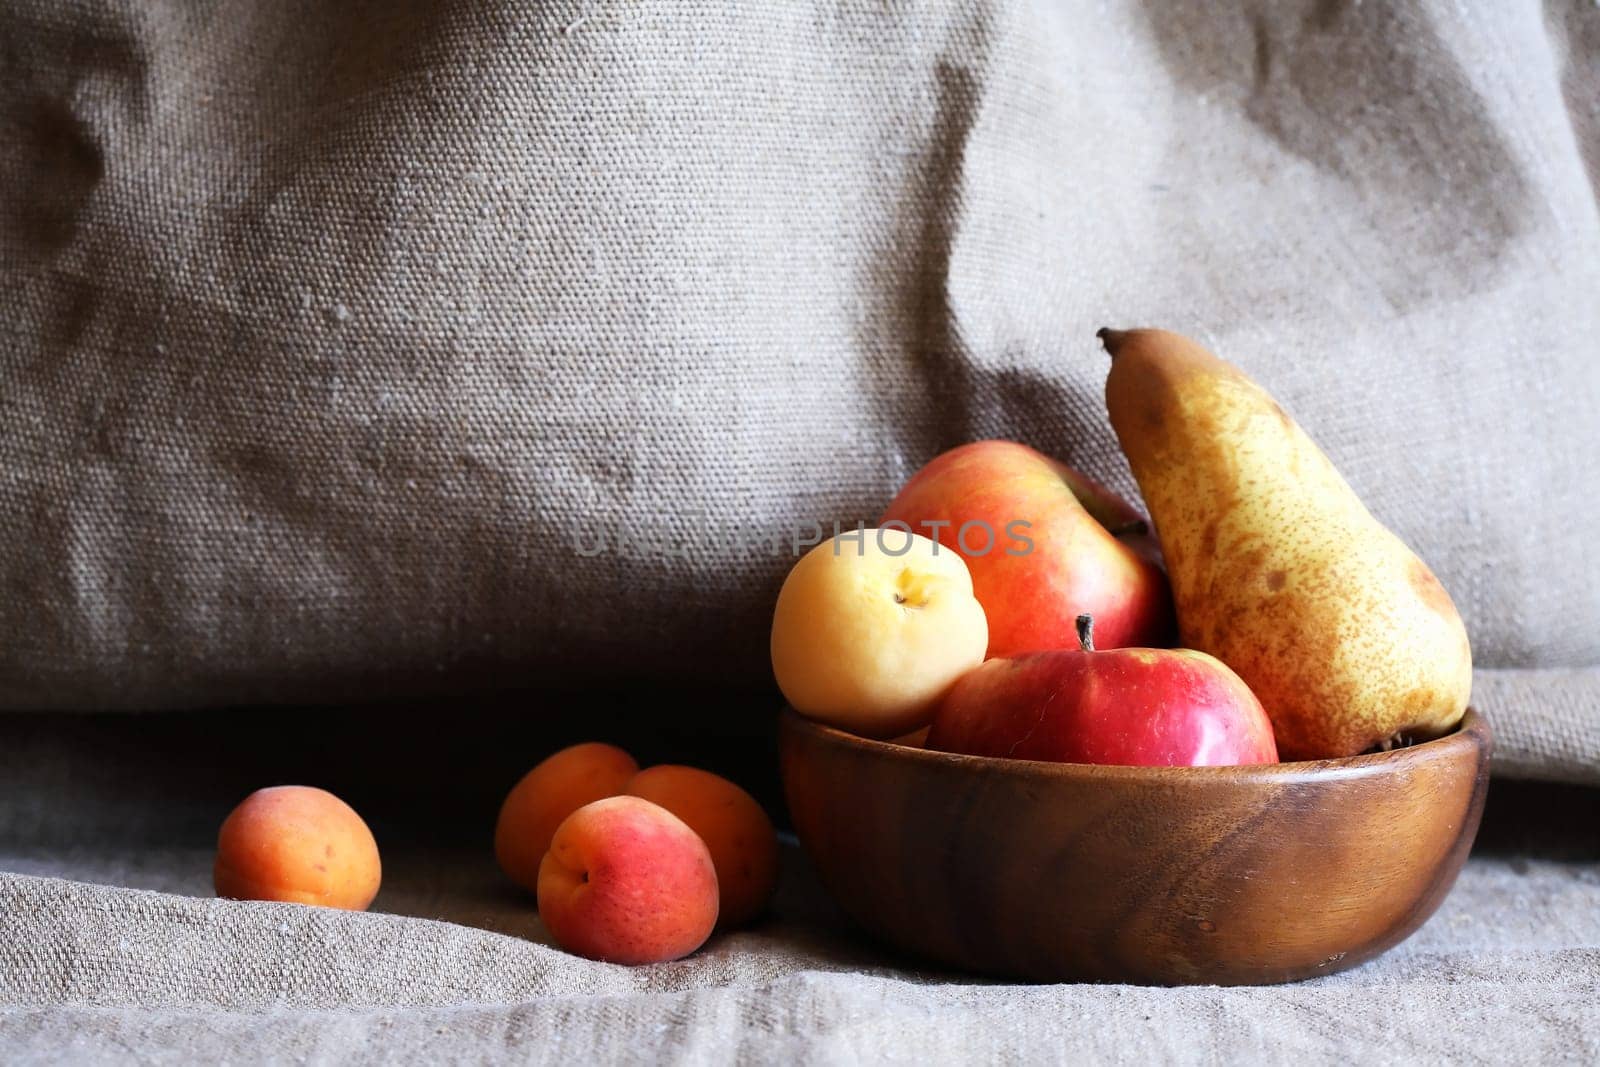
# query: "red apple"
1144,707
1044,543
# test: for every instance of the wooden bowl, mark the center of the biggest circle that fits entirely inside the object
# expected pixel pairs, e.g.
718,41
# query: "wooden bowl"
1157,875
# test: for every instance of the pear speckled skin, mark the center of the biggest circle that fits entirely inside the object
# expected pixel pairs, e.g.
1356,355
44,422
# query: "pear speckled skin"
1277,568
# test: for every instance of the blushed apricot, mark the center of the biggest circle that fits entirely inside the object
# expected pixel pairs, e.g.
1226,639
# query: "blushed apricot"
627,881
297,844
736,830
546,795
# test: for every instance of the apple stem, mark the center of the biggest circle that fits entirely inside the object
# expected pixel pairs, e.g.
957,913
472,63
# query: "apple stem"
1086,632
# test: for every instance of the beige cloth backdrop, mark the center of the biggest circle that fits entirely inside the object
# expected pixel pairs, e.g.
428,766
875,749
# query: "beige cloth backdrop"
335,334
331,334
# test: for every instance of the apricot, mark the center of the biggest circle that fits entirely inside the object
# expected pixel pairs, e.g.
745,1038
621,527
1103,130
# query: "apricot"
627,881
546,795
297,844
871,628
737,833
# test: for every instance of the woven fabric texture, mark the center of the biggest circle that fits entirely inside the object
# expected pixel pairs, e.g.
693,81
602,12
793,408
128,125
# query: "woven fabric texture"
1508,971
410,348
382,348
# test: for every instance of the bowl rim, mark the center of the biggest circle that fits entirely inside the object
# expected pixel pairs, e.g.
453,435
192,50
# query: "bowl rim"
1470,734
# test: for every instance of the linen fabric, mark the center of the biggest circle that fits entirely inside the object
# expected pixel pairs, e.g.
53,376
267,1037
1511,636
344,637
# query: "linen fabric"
370,349
377,351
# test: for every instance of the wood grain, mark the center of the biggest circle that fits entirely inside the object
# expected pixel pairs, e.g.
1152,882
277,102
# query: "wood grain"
1226,875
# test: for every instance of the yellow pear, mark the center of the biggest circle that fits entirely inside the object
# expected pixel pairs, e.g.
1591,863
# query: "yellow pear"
1277,567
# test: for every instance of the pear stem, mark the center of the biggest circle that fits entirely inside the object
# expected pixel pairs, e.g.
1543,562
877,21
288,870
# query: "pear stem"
1112,339
1085,624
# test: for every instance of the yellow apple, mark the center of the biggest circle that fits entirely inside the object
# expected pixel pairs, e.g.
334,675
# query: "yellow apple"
872,627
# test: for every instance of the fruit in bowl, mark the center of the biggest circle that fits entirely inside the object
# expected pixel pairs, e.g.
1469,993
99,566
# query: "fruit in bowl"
1142,707
872,627
1278,569
1120,814
1044,544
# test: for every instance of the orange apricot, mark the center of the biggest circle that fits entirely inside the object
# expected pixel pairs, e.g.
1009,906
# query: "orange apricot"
300,845
546,795
736,830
